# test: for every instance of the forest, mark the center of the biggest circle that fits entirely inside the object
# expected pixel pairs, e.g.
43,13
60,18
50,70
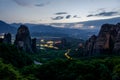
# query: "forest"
19,65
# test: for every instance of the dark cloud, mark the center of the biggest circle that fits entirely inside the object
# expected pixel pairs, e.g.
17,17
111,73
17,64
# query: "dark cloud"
58,18
107,14
90,15
22,2
75,16
42,4
112,13
60,13
30,3
68,16
65,16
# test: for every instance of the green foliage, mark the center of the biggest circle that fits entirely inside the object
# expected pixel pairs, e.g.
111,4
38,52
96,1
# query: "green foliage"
61,69
10,54
52,69
48,54
116,72
89,68
8,72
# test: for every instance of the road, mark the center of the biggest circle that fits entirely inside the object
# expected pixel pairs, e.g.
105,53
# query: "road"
67,54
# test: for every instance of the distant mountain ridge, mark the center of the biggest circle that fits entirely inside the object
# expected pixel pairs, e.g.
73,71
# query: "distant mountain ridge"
87,24
56,31
80,30
44,30
86,28
6,28
80,25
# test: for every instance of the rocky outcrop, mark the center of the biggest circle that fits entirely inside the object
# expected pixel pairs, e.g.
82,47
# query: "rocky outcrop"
34,48
23,39
7,38
117,41
107,41
89,45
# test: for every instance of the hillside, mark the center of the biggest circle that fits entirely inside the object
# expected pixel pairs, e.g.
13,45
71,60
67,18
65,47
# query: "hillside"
5,28
86,24
55,31
79,30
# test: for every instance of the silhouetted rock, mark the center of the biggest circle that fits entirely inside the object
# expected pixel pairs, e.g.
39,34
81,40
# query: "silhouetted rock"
107,41
89,45
117,41
34,45
80,49
7,38
23,39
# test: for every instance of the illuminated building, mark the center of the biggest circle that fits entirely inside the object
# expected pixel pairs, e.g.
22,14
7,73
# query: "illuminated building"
49,42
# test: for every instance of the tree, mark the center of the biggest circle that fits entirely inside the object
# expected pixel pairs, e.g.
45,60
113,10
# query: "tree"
10,54
8,72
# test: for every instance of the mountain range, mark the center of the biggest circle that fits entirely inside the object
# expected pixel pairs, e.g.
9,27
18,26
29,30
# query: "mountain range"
5,28
87,24
80,30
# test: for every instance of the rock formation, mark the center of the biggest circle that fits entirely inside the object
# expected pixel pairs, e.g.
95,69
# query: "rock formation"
34,48
89,46
23,39
107,41
7,38
117,41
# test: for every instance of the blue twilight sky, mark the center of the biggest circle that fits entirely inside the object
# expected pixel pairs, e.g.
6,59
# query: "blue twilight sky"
57,11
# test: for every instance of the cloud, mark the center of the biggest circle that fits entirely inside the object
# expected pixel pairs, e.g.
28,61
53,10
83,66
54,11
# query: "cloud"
65,17
58,18
112,13
68,16
30,3
42,4
23,2
60,13
75,16
77,26
101,10
90,15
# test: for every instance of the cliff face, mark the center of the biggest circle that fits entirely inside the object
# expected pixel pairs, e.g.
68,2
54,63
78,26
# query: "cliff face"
117,41
107,41
23,39
89,45
7,38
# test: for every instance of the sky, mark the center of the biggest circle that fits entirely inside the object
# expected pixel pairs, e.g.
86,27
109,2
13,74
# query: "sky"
57,11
